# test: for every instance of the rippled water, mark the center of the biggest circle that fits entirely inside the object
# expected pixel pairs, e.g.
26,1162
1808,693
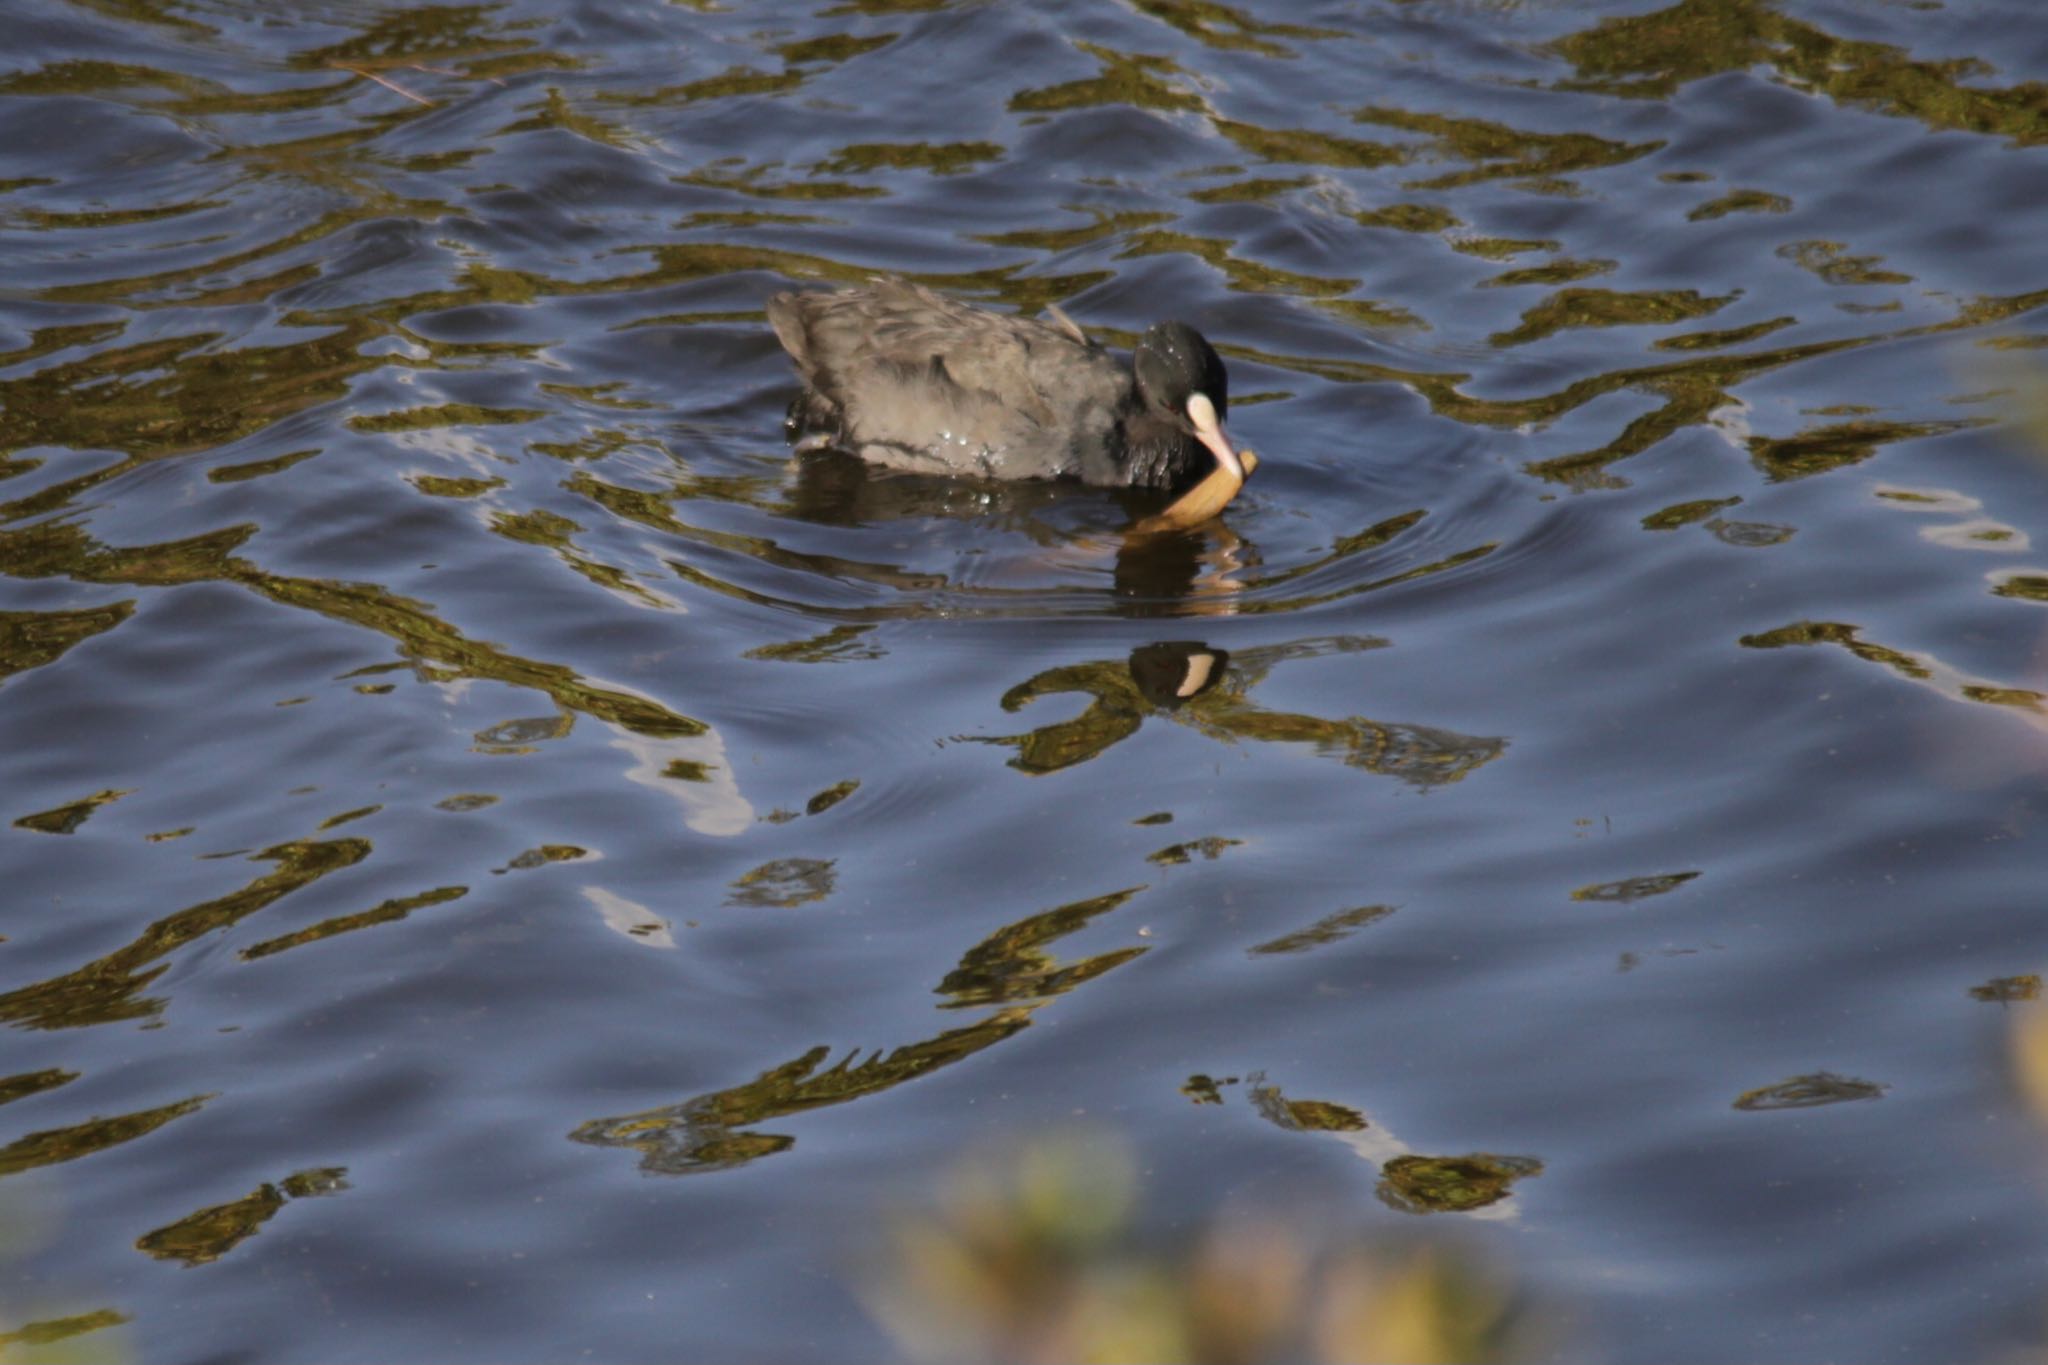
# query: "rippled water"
462,778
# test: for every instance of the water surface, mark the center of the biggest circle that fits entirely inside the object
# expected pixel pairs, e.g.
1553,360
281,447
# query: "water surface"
503,862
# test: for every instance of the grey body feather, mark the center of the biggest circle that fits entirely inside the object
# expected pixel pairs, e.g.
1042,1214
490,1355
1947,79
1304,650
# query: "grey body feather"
910,379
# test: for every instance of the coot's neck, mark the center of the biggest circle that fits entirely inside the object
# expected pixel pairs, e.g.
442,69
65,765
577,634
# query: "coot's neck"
1156,453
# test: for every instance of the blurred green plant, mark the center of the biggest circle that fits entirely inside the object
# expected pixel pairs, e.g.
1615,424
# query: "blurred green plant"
1033,1254
47,1334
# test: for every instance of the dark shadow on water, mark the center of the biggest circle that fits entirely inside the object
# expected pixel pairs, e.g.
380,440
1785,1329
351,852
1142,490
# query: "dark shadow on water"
1012,969
1154,574
832,488
710,1132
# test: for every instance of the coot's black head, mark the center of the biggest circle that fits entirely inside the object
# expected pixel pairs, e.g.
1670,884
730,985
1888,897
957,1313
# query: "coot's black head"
1175,362
1181,378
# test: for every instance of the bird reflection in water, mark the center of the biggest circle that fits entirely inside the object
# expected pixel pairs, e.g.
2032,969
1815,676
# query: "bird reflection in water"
1172,672
1209,690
